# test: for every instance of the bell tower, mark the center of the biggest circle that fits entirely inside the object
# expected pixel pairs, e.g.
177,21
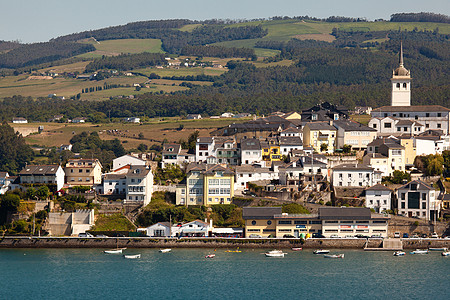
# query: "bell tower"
401,84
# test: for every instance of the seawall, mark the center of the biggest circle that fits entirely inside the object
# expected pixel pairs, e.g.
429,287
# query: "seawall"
140,242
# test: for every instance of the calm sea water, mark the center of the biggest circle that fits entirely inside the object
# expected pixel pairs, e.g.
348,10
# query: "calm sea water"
186,274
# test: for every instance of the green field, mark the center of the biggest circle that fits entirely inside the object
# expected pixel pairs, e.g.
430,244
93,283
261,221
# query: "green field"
182,71
284,30
116,47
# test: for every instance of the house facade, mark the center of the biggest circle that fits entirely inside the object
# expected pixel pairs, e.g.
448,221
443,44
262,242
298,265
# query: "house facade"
354,175
354,134
83,172
378,197
316,134
418,199
42,174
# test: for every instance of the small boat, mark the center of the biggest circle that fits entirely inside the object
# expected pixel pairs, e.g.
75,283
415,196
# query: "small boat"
399,253
132,256
420,251
275,253
113,251
321,251
438,249
210,256
446,253
334,255
296,249
234,251
165,250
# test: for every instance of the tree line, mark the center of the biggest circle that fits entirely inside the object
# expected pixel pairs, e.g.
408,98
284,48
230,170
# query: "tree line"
126,62
218,51
420,17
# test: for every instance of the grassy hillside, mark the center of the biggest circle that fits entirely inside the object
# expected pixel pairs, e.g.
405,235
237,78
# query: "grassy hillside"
116,47
284,30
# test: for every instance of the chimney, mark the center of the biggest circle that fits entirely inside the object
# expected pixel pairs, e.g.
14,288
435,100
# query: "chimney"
331,122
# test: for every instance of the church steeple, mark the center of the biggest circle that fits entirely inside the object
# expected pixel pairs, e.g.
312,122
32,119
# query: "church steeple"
401,83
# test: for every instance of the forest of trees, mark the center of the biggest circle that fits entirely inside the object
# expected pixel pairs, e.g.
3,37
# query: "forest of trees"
218,51
420,17
38,53
14,152
126,62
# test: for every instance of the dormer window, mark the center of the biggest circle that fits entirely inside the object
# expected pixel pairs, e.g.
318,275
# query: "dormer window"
219,173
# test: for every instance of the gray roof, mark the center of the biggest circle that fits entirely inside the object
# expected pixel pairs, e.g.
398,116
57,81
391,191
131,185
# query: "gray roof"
250,144
39,170
218,168
420,185
290,140
176,148
348,125
378,187
320,126
345,167
344,213
204,140
114,176
412,108
260,212
137,171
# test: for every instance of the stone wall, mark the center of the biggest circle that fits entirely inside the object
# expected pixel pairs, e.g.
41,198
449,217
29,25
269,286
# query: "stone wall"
73,242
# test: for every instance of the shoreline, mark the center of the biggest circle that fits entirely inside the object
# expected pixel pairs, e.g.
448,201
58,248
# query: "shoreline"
11,242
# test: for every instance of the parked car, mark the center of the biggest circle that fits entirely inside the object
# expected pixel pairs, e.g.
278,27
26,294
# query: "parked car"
424,235
434,235
254,236
414,236
85,234
288,236
334,236
396,235
405,235
361,236
376,236
317,235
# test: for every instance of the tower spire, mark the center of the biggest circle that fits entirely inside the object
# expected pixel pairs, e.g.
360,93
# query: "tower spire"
401,54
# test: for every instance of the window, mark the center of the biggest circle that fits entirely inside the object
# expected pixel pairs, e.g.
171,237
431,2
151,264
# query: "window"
387,125
374,125
404,85
424,196
80,171
315,222
398,85
269,222
439,115
424,205
285,222
438,125
427,115
300,222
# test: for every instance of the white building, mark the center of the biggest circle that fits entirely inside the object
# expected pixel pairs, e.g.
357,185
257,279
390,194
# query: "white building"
160,229
354,134
378,197
401,84
246,174
355,175
195,228
127,160
4,182
172,154
19,120
43,174
251,151
139,182
418,199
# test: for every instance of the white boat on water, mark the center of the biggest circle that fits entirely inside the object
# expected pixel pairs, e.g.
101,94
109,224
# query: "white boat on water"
399,253
210,256
446,253
113,251
132,256
334,255
321,251
275,253
438,249
165,250
296,249
420,251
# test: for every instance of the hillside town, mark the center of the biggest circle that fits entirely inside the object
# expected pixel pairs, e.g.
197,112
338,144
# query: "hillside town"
356,180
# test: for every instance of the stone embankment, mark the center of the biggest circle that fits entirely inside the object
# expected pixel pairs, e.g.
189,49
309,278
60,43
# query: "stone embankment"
139,242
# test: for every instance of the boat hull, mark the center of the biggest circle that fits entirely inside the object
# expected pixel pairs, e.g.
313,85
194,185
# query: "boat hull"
132,256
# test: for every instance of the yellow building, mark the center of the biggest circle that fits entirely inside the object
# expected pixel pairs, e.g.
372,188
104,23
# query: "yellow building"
317,133
83,172
292,116
263,222
271,150
410,151
206,186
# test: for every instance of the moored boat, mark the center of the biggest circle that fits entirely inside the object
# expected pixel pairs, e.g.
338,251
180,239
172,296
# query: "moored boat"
234,251
438,249
165,250
296,249
446,253
132,256
399,253
420,251
275,253
334,255
321,251
113,251
210,256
